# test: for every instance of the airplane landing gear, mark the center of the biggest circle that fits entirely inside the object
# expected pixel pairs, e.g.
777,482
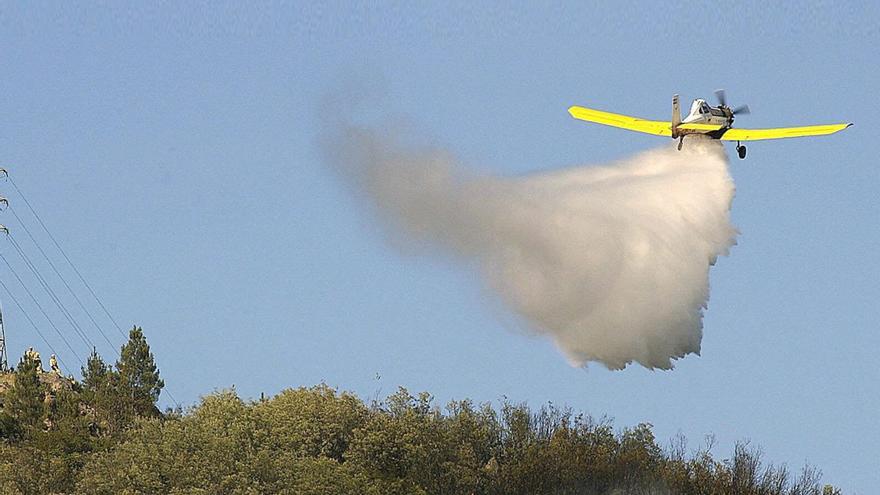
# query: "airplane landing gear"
680,142
741,151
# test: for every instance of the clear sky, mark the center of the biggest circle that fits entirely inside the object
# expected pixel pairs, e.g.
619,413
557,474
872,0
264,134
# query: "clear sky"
171,148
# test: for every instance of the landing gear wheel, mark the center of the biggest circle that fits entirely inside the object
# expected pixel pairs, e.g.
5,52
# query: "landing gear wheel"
680,142
741,151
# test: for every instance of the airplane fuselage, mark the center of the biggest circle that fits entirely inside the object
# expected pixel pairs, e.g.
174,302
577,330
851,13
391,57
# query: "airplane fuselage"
702,113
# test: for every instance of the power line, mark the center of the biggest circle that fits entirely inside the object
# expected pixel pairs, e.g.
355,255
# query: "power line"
51,293
8,292
171,396
64,254
58,273
51,323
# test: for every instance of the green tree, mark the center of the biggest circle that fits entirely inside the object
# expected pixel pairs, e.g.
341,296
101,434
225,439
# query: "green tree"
223,443
8,426
25,401
137,383
25,470
67,424
96,373
405,445
311,421
317,440
98,394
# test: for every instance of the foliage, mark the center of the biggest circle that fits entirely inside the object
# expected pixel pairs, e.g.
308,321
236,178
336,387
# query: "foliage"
105,436
137,383
24,403
316,440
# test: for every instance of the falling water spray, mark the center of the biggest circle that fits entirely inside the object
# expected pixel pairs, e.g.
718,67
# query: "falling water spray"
611,262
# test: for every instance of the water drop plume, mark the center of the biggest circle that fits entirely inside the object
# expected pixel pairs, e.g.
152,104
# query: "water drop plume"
611,262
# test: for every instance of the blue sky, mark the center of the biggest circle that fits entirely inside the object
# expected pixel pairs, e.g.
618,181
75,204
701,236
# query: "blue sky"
171,148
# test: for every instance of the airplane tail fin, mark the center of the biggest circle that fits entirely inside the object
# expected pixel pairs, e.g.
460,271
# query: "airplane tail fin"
676,116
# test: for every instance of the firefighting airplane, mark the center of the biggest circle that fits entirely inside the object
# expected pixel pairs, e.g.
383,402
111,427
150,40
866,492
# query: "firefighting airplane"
715,122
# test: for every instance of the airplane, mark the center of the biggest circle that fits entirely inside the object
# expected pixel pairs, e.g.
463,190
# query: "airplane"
703,119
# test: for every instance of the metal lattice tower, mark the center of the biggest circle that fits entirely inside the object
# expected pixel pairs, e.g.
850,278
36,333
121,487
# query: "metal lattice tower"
4,365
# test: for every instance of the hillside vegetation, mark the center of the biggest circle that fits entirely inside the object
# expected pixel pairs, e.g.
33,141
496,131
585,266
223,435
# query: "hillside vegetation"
104,435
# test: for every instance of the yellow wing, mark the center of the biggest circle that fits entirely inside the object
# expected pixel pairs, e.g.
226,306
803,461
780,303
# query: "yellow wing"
781,132
623,121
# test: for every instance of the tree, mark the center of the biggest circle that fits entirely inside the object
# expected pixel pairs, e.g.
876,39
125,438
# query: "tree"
96,373
98,393
8,426
137,378
25,400
317,440
68,427
311,421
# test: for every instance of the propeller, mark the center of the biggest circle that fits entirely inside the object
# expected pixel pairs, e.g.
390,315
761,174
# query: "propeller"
741,110
722,100
722,97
